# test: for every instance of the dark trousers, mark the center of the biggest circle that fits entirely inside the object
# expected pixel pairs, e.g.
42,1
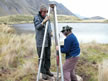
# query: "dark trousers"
46,59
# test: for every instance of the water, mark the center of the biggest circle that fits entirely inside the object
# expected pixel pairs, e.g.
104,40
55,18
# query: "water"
85,32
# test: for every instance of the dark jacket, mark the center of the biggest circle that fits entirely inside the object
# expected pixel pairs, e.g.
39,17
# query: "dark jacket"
71,46
40,29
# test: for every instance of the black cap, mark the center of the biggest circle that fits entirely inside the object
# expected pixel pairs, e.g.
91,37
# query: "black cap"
66,28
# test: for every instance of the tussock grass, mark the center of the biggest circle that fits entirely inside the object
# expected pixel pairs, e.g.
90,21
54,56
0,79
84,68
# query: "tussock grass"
17,54
6,29
91,55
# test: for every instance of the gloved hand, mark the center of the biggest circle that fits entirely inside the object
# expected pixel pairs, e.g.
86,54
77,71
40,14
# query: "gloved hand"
45,20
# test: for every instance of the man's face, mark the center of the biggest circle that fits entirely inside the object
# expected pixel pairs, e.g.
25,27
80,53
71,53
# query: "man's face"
64,33
44,12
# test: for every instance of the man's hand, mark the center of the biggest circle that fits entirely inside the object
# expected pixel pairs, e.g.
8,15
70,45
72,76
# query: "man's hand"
51,34
45,20
57,48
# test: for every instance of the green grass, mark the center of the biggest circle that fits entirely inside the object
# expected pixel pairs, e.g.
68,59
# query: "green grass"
18,57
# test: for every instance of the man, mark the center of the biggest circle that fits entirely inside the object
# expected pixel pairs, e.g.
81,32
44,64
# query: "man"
40,22
72,50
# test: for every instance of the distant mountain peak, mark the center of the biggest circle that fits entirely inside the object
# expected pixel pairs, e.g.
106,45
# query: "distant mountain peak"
97,17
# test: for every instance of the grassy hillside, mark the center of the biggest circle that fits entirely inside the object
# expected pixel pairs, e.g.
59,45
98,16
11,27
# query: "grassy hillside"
13,19
17,19
106,21
18,57
10,7
66,18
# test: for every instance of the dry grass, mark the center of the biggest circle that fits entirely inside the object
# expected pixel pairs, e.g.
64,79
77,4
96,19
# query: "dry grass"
91,55
14,19
6,29
17,54
18,58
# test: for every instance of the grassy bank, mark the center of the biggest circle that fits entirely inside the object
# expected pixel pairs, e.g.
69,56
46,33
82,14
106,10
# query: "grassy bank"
16,19
92,54
18,58
106,21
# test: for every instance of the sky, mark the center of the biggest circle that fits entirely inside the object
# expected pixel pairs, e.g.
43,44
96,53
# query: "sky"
87,8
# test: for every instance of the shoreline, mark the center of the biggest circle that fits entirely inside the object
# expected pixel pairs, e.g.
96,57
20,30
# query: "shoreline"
58,22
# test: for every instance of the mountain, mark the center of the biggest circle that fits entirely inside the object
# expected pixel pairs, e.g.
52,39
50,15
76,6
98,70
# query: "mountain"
79,16
96,17
89,18
62,9
10,7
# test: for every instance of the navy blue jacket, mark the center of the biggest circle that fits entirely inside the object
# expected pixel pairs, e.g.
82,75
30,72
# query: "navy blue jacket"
71,46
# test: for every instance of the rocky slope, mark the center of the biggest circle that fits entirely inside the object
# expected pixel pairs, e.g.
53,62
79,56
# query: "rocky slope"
9,7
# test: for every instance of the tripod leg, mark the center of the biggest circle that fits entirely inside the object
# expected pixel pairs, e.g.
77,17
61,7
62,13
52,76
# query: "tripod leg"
57,44
43,45
57,67
55,34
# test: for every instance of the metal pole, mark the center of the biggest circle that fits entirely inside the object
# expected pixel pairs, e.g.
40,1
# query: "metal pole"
43,45
57,44
57,55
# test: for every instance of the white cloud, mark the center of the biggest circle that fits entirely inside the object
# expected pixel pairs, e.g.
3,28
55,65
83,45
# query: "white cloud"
87,7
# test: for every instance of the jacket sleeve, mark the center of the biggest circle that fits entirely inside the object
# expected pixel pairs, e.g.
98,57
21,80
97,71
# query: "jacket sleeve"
37,23
66,47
